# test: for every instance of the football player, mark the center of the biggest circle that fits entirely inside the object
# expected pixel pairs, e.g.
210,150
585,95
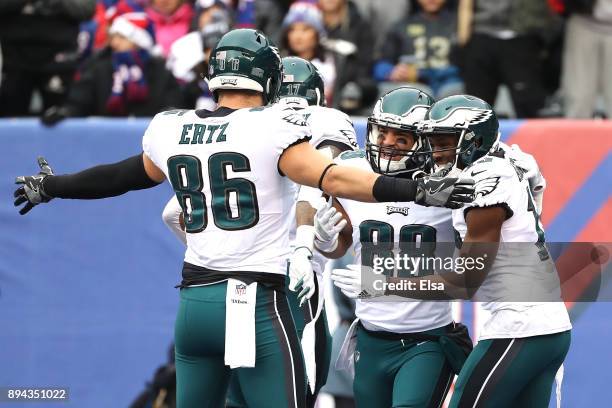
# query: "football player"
527,334
332,132
227,168
398,361
522,344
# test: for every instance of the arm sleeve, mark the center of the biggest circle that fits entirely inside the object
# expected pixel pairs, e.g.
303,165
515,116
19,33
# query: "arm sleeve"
103,181
171,215
387,188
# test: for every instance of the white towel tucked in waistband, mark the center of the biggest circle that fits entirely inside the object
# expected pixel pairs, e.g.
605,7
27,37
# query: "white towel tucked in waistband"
240,301
559,382
346,357
309,338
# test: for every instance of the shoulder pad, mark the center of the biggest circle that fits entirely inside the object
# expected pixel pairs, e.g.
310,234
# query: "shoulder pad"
294,118
489,173
176,112
287,115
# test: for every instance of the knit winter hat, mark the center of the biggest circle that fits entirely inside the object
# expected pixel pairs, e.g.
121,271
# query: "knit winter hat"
308,13
136,27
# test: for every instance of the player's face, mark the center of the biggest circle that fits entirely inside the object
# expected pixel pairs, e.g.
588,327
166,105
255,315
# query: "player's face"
302,39
443,148
394,139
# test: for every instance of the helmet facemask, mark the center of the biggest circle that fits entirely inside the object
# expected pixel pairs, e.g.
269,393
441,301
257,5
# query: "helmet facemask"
393,161
400,110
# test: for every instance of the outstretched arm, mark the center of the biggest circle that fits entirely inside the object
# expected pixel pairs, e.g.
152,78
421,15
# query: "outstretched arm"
304,165
110,180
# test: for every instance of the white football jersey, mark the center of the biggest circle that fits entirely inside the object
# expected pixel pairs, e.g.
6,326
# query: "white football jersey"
381,222
522,288
224,169
327,126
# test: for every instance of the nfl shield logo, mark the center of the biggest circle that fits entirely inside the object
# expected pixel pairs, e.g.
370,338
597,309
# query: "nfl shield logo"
240,289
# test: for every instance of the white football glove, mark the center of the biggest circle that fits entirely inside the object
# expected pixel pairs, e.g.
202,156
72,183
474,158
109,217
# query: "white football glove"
328,223
301,275
537,182
172,218
359,282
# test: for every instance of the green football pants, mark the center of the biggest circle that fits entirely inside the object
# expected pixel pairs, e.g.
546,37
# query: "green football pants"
278,379
399,373
323,344
511,373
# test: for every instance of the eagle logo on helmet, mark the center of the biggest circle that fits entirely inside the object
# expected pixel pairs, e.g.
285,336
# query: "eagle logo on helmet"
463,117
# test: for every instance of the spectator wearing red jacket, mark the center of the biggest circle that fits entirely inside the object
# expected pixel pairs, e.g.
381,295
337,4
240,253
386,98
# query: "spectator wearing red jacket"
123,79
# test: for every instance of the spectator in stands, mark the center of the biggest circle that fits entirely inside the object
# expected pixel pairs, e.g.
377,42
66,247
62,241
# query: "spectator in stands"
93,34
172,19
188,58
106,11
39,46
351,43
503,45
123,79
264,15
587,61
381,15
302,36
417,50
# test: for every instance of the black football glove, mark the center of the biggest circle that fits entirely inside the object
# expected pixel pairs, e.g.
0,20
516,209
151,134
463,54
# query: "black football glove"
31,190
449,192
53,115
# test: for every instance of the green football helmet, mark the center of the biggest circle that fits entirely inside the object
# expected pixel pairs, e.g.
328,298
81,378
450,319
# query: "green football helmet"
471,119
245,59
402,109
302,84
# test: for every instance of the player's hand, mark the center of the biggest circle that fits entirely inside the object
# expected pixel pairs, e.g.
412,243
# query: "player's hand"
529,165
53,115
301,274
328,223
359,282
31,190
449,192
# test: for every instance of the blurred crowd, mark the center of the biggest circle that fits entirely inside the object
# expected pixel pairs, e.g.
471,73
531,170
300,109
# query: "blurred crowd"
530,58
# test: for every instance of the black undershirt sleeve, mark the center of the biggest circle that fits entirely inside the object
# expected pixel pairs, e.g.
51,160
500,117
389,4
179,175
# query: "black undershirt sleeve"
394,189
103,181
